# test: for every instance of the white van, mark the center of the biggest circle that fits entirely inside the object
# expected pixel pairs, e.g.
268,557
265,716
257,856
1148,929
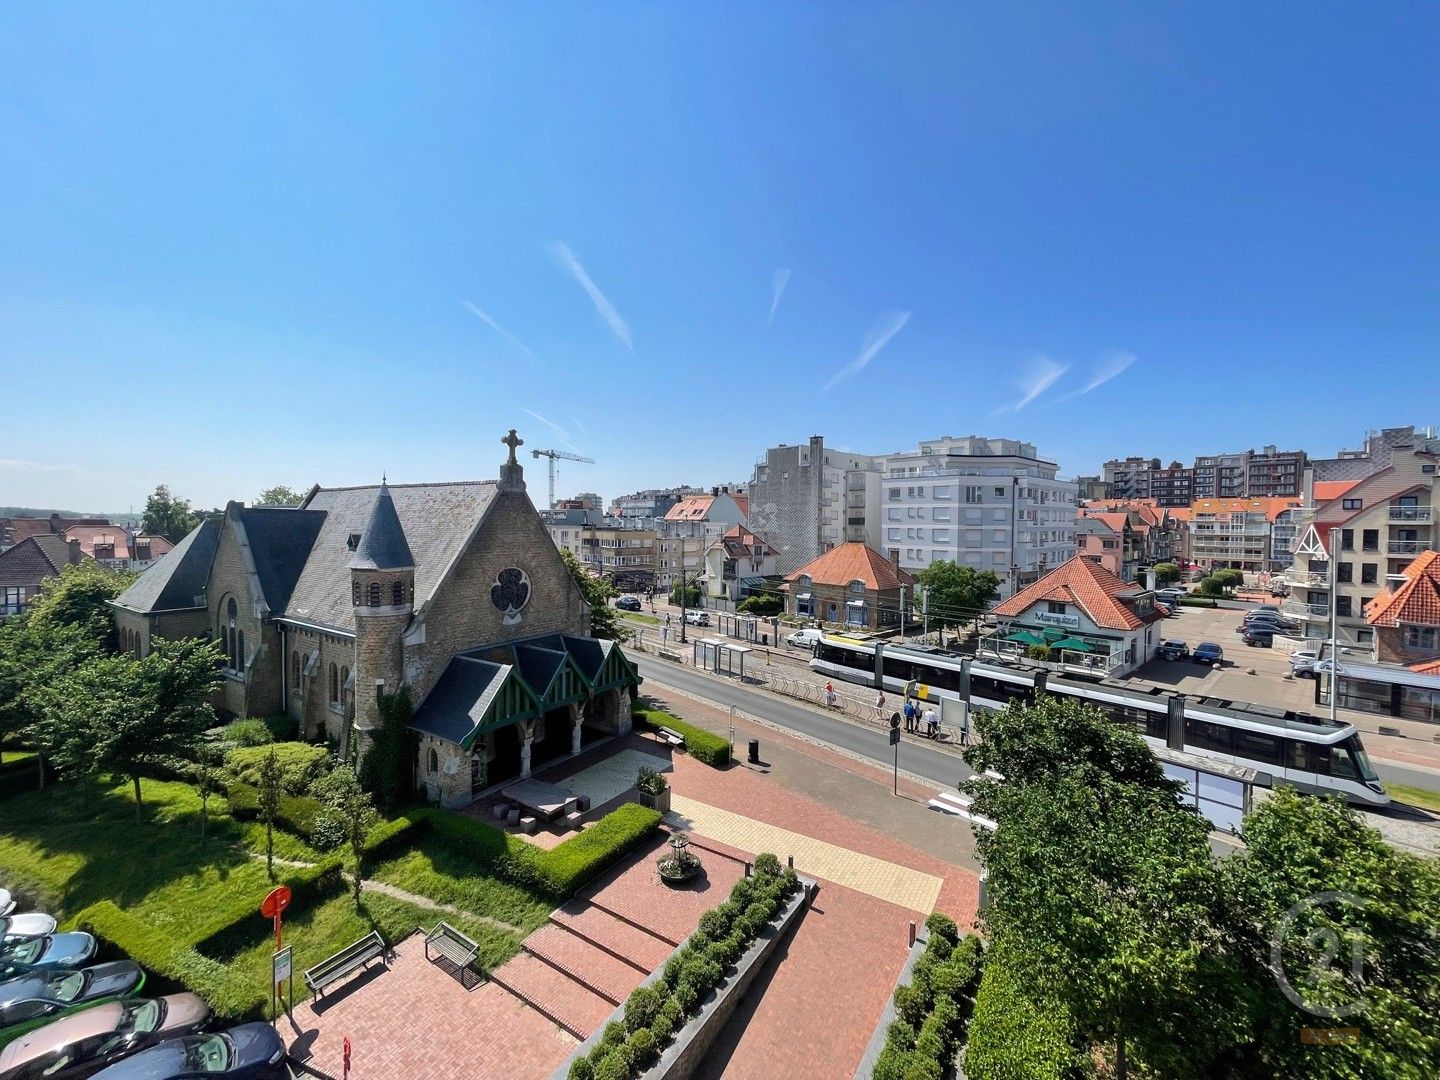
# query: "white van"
803,639
697,618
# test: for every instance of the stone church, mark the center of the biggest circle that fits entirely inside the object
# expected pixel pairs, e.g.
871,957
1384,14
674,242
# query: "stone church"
453,590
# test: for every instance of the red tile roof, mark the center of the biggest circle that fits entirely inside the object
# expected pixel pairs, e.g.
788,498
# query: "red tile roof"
91,536
1097,592
1271,507
1326,490
1416,601
739,540
691,508
850,562
1427,667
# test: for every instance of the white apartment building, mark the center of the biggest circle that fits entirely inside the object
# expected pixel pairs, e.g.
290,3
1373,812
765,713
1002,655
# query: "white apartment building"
993,504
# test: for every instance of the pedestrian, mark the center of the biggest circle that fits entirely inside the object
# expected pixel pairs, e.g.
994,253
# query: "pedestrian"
909,711
667,618
932,723
830,694
880,706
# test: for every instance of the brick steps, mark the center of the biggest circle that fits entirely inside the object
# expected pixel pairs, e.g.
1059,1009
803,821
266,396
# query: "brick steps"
588,965
643,951
575,1007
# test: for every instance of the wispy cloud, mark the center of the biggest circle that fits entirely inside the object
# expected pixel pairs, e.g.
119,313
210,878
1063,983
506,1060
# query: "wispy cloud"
618,325
560,433
506,334
888,326
1112,365
778,281
1042,375
20,465
581,426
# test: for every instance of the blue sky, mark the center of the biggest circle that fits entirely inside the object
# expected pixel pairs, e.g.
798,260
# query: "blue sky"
251,244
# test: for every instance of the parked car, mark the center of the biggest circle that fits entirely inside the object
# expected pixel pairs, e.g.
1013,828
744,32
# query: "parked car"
34,1000
68,950
803,639
27,924
247,1052
697,618
1260,639
628,603
1267,622
82,1044
7,902
1303,663
1207,652
1173,650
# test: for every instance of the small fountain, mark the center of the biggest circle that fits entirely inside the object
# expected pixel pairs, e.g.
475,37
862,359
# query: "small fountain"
682,864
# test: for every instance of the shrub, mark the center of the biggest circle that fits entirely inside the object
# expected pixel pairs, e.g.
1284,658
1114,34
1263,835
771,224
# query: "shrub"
1012,1034
766,866
642,1048
675,964
1196,601
662,1029
742,893
923,1067
673,1010
641,1008
650,782
613,1066
891,1064
941,925
244,802
939,948
300,764
714,924
247,732
282,728
614,1035
1228,578
704,746
900,1034
950,979
397,832
735,945
568,866
581,1069
1038,652
687,996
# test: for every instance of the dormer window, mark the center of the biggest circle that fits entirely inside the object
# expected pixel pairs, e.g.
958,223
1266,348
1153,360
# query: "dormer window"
857,587
353,541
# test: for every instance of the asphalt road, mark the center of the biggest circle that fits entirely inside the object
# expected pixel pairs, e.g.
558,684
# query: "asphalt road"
942,767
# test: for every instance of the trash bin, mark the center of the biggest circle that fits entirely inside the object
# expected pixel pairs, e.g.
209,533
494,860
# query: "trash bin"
754,751
764,639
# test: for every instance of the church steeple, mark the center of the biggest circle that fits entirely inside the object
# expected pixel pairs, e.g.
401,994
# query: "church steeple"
383,545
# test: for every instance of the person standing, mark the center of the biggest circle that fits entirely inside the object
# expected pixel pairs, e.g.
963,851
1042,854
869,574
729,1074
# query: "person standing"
932,722
909,711
830,694
880,706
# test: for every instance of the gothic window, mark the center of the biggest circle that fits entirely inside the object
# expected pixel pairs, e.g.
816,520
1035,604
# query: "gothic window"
373,594
345,694
397,593
334,685
240,653
434,760
295,670
355,593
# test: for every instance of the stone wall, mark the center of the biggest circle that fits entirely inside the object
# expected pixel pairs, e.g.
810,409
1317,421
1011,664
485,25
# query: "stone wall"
311,707
258,694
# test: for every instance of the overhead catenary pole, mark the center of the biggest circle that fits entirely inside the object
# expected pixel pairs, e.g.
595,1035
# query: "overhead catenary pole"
1334,633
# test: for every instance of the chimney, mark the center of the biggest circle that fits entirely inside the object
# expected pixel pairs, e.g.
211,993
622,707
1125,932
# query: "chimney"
1150,579
73,550
895,558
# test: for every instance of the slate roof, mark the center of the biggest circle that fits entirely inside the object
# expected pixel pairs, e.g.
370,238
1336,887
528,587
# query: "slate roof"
1095,590
847,562
1416,601
382,542
36,558
178,578
456,705
437,519
1093,525
281,540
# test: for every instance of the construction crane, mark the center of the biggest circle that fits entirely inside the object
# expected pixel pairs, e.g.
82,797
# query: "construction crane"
554,456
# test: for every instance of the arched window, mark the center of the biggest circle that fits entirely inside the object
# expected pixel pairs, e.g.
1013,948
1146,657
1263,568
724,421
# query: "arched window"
240,653
295,671
434,760
397,593
344,693
334,684
355,593
857,587
373,594
232,647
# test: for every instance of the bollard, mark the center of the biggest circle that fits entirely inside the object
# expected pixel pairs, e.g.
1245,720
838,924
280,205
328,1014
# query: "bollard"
747,869
912,935
790,861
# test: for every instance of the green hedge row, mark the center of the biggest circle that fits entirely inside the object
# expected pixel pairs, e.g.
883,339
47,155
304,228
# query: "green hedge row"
397,832
1197,601
297,814
934,1008
656,1011
702,745
1015,1037
300,764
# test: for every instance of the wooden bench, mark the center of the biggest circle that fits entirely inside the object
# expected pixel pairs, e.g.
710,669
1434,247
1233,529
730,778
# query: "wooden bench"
450,944
674,738
345,962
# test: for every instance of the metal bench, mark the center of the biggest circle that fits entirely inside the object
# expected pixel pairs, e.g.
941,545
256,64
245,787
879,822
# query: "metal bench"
345,962
674,738
447,943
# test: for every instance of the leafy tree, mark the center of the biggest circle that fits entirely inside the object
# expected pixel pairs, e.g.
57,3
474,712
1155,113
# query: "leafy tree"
1210,586
761,605
1228,578
389,768
598,593
958,593
1299,849
350,804
115,714
279,495
1166,572
208,761
692,592
268,794
79,596
167,516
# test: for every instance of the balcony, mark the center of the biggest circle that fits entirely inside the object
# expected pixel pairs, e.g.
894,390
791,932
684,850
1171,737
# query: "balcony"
1302,610
1307,579
1406,547
1087,663
1410,513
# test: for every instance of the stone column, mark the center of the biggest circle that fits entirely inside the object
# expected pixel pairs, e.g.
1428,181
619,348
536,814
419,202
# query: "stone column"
577,717
620,701
527,736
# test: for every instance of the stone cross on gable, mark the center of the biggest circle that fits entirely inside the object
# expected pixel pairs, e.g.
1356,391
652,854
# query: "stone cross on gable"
512,441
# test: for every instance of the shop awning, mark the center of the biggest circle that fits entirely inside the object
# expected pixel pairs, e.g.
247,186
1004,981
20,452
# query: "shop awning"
1025,637
1074,644
1053,635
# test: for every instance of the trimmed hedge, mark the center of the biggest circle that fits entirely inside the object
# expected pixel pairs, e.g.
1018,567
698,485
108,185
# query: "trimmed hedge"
1015,1037
297,814
394,833
656,1011
702,745
300,764
934,1007
1197,601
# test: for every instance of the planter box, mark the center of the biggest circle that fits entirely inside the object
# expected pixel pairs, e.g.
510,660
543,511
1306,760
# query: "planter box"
659,802
866,1067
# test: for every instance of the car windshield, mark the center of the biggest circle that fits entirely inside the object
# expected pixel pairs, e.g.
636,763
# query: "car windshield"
22,952
143,1016
67,987
210,1053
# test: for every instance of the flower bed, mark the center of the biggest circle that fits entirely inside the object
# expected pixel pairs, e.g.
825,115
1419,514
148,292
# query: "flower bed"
657,1010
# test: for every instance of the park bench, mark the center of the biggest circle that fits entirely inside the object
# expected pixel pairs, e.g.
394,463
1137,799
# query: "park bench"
671,655
674,738
450,945
352,958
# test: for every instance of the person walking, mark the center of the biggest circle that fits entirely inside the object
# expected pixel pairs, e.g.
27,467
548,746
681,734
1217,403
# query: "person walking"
880,706
932,722
830,694
909,711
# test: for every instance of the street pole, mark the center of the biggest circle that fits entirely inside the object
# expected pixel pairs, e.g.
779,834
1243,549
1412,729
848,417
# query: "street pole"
682,590
925,609
1334,631
902,612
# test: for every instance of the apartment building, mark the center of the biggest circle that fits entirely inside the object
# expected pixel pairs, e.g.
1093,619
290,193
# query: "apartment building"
643,509
1376,454
806,499
1145,478
606,546
1375,528
993,504
1234,533
691,526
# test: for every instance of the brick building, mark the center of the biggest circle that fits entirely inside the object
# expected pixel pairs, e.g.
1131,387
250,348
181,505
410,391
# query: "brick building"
453,591
852,585
26,565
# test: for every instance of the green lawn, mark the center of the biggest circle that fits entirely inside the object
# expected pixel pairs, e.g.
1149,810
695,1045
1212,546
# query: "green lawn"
12,756
438,872
1428,800
635,616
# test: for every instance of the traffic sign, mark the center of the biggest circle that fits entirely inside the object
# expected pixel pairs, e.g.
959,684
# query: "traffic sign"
894,736
281,963
895,721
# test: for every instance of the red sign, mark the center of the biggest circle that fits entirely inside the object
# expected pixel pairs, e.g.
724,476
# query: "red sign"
347,1056
276,902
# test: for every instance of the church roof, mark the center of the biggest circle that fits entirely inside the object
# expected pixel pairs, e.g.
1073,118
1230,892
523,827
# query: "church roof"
437,520
178,578
382,543
281,539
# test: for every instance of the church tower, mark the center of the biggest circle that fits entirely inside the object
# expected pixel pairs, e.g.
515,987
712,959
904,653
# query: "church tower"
382,590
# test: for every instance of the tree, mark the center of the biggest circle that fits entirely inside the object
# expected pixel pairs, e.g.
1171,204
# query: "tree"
167,516
115,714
279,495
957,593
343,797
1228,578
761,605
1166,572
692,592
1210,586
389,768
271,776
208,760
597,593
79,596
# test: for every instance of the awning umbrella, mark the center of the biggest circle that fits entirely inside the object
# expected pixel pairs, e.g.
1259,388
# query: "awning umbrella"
1074,644
1054,635
1025,637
